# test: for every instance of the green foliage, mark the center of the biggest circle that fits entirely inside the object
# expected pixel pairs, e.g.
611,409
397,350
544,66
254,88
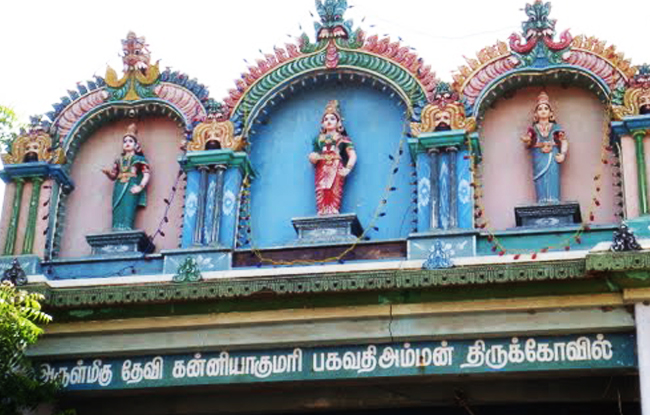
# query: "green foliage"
20,385
8,127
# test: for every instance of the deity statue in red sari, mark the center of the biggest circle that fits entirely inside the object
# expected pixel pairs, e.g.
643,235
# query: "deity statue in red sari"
334,158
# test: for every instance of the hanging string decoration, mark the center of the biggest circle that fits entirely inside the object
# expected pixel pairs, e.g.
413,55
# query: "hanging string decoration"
482,222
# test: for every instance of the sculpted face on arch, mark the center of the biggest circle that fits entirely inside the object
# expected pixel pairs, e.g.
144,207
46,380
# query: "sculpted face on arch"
644,103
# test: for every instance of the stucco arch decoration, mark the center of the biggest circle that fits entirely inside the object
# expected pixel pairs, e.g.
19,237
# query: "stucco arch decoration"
536,58
142,90
338,49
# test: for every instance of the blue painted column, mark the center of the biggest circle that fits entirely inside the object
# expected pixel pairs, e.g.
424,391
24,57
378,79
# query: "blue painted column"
233,179
453,189
201,206
434,204
465,196
214,181
445,200
424,176
192,192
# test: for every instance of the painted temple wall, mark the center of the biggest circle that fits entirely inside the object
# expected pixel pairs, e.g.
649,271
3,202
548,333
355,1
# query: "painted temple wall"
284,188
7,206
89,205
507,166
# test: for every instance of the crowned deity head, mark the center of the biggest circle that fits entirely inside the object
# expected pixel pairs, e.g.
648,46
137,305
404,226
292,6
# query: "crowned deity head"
130,144
543,109
332,121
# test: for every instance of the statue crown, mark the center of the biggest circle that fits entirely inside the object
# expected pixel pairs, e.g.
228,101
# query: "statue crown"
332,107
543,98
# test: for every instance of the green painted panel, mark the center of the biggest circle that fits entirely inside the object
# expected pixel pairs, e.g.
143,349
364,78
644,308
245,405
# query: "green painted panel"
430,358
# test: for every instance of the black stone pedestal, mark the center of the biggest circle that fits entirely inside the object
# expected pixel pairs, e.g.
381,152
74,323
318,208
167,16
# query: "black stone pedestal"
120,243
551,215
327,229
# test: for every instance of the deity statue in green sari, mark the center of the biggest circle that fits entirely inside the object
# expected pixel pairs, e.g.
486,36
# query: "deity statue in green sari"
131,173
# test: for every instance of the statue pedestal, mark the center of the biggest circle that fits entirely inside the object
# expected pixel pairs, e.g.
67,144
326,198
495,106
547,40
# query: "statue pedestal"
551,215
120,243
327,229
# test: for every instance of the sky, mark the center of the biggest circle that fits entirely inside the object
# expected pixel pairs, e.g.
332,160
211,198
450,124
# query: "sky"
49,46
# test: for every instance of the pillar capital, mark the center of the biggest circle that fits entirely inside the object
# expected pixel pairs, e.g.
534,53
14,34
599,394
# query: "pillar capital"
640,134
225,157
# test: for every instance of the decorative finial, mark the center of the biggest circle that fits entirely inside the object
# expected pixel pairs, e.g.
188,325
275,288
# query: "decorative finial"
624,240
332,24
438,257
538,23
136,53
188,271
538,33
444,94
15,274
140,76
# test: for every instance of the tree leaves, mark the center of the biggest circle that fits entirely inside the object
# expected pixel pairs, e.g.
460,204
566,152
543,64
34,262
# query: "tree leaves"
20,316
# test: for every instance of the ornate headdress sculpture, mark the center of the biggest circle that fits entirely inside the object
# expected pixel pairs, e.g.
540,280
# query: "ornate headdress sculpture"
333,107
140,76
215,129
131,131
444,100
36,145
636,100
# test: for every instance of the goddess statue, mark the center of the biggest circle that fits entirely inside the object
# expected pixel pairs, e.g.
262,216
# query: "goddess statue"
131,173
334,158
549,146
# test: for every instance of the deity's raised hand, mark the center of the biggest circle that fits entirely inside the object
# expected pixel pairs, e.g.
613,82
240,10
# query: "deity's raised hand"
109,173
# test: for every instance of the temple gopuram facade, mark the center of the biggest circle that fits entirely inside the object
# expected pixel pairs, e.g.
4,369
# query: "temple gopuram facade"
345,232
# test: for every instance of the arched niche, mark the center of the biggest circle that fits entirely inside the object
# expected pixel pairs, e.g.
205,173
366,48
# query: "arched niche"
88,207
375,119
507,166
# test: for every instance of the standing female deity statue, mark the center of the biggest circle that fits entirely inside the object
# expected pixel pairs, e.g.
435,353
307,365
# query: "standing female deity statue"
549,146
131,173
333,157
